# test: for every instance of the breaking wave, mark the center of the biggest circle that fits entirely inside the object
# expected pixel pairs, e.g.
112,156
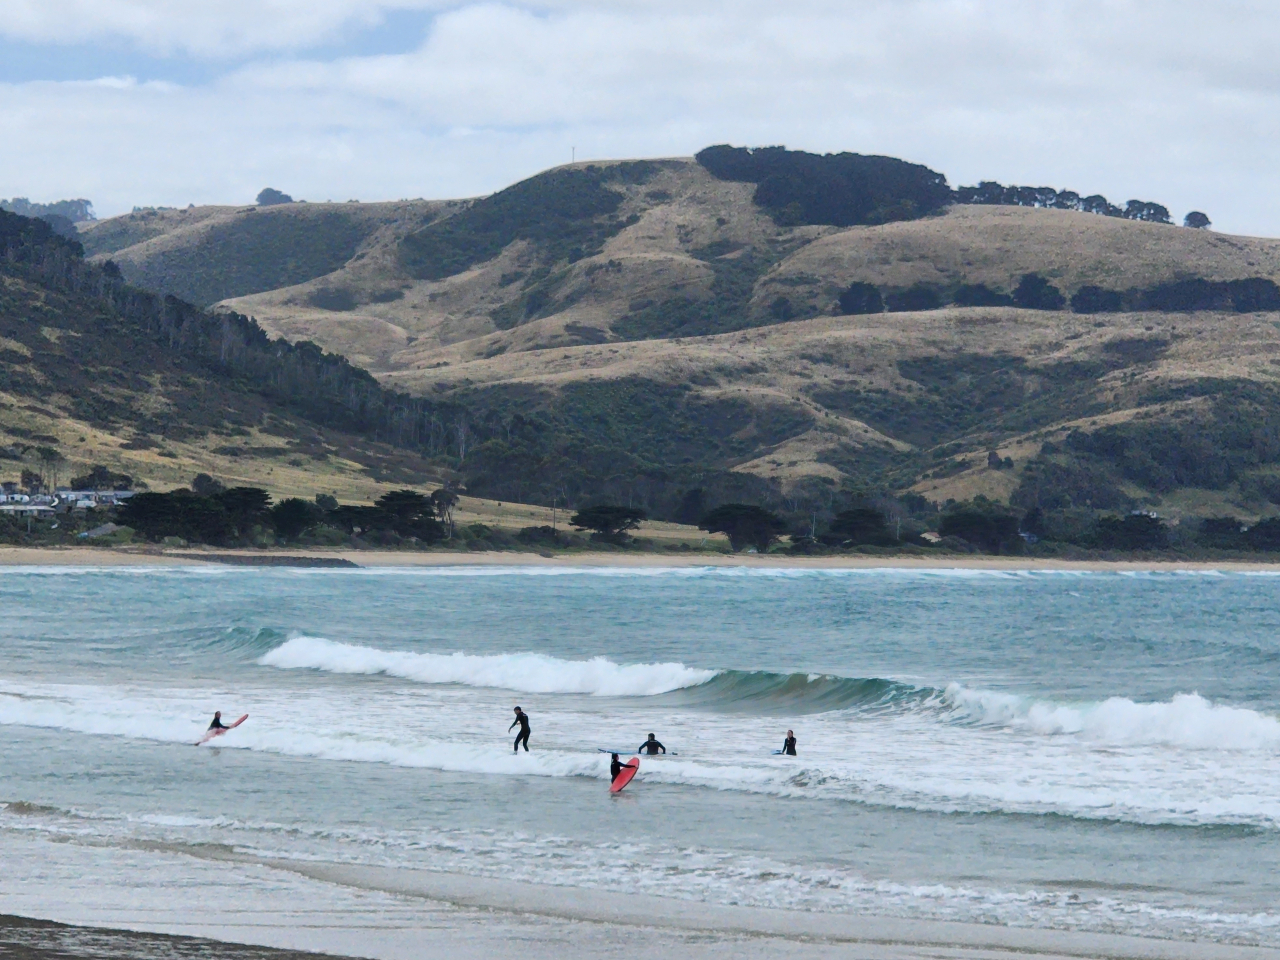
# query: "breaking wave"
525,672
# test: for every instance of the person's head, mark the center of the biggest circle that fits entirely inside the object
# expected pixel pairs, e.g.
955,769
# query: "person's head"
217,714
791,733
517,709
614,755
652,737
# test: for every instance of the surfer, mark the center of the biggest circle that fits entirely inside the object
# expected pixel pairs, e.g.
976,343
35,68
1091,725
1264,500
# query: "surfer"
522,718
217,722
651,746
789,744
616,767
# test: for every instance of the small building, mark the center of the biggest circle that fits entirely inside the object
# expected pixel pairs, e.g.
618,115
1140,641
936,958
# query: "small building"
26,510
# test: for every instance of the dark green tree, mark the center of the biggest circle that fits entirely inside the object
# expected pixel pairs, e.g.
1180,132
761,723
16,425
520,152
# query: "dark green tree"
1264,535
411,514
1137,531
1034,292
921,296
102,478
270,197
1196,221
980,295
203,485
443,501
293,517
1092,299
610,522
988,527
745,524
180,513
326,502
861,298
861,525
1225,533
245,507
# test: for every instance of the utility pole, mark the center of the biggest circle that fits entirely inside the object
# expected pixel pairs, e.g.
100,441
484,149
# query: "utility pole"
573,154
553,514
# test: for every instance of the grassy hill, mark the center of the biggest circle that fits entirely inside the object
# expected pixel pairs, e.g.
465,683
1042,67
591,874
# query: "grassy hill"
646,330
94,371
207,254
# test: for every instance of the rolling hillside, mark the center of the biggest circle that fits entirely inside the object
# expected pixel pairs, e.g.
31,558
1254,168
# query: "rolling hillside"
645,329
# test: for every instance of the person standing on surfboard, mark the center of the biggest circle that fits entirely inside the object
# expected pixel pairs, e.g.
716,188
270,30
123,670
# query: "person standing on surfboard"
789,744
217,722
651,746
522,718
616,767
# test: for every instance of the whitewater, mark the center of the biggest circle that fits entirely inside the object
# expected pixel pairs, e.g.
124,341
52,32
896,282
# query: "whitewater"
1095,752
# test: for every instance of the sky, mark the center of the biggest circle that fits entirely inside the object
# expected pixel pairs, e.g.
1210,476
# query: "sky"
170,102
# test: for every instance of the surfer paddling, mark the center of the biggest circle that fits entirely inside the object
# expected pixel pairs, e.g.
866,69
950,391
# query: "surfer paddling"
217,728
789,744
522,736
650,746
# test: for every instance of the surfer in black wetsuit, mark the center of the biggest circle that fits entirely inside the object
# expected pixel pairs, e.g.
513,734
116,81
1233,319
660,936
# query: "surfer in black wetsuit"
789,744
522,718
651,746
616,767
217,722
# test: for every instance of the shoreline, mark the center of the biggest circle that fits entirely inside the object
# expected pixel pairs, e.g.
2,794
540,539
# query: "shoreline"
77,556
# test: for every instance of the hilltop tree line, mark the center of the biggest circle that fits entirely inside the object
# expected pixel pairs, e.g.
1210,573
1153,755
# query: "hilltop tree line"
847,189
1034,292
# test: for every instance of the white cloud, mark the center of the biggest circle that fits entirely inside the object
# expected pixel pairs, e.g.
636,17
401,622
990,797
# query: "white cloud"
1173,102
207,28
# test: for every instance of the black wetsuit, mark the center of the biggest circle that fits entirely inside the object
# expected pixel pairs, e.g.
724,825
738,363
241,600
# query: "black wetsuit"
522,718
789,746
615,768
217,724
651,747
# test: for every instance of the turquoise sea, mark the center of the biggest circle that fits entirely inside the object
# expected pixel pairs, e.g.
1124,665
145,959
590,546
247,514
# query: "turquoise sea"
1083,751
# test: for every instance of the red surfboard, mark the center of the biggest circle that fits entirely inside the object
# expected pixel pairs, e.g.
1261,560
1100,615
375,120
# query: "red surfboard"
219,731
625,775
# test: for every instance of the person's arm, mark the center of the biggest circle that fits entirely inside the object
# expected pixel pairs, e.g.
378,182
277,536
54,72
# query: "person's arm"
513,723
661,747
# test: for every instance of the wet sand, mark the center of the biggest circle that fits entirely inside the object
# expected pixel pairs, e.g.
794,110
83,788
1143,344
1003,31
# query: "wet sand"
133,556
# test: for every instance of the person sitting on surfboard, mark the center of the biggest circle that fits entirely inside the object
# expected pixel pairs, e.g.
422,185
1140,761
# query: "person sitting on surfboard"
522,718
616,767
789,744
217,722
651,746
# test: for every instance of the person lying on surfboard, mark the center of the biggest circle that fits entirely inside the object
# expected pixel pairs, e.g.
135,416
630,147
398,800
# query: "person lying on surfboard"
616,767
217,722
651,747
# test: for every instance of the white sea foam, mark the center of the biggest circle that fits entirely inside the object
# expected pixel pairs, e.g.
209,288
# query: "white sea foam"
1187,720
525,672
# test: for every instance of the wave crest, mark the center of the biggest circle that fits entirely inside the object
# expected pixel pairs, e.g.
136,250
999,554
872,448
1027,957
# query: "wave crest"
525,672
1186,720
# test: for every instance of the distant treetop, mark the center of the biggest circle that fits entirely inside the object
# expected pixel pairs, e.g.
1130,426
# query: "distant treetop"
270,196
841,189
77,211
990,192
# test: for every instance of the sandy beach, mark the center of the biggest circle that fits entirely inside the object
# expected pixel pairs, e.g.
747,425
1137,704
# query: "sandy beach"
135,556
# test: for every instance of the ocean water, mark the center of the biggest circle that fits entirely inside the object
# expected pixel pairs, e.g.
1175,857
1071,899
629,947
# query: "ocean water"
1083,751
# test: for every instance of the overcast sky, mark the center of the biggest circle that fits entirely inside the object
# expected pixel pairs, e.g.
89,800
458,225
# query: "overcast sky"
170,102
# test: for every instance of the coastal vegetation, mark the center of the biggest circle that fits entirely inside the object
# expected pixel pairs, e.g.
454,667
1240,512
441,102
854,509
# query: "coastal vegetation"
842,343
